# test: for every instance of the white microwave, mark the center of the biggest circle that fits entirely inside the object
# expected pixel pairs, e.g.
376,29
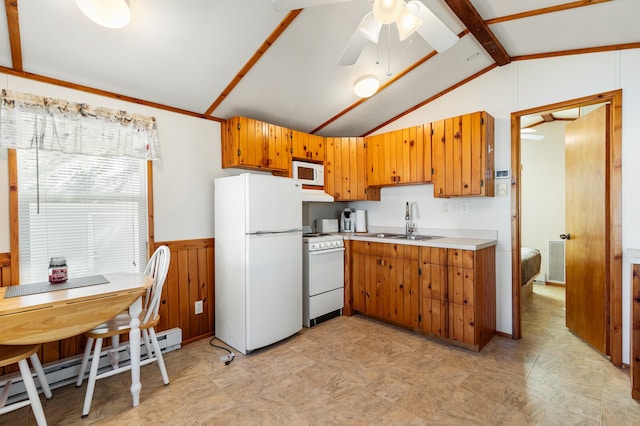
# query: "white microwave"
308,173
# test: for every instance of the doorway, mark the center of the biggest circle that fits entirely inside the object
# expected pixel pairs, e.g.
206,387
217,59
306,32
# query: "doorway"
613,209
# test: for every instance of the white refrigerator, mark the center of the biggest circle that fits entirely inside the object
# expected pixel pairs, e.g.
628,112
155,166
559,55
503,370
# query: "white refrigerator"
258,260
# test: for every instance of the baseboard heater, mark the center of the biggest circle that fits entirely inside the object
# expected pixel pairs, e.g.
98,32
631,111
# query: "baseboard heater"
65,371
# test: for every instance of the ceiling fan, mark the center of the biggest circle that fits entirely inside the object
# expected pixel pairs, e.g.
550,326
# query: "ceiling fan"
409,16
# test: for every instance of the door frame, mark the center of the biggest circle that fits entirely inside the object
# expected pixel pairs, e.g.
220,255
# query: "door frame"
614,213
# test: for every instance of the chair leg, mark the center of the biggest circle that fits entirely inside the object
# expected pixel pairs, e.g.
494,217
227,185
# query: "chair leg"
156,349
91,383
147,346
30,386
114,353
6,386
44,384
85,360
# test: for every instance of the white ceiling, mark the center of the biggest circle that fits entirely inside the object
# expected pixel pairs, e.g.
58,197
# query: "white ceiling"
183,54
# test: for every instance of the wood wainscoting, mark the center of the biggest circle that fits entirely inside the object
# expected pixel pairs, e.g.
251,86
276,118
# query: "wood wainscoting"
190,278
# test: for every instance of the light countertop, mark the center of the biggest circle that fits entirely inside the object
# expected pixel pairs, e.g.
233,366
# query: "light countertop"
453,239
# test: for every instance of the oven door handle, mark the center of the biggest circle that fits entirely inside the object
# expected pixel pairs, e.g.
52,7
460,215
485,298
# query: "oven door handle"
333,250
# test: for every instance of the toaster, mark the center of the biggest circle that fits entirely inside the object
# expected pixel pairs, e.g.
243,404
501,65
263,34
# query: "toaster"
326,226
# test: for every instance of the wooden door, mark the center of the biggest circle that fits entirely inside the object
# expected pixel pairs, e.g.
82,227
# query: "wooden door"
586,141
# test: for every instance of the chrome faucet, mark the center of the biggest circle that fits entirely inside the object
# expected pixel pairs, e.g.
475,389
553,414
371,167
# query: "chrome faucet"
409,228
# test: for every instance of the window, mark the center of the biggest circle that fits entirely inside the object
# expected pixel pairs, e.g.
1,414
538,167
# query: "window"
91,210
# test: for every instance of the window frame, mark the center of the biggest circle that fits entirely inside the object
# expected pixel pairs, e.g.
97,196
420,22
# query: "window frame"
14,220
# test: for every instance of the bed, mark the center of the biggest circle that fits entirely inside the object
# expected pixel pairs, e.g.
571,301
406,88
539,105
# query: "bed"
529,269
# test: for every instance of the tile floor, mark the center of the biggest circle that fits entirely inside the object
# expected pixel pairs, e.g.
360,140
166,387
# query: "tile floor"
352,370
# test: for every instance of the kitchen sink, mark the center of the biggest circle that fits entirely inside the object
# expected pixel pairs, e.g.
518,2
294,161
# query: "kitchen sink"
403,236
416,237
385,235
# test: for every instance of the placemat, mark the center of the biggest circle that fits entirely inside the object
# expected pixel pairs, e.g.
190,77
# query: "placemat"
44,287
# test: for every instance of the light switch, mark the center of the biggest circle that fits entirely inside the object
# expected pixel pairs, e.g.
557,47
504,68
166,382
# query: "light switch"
502,190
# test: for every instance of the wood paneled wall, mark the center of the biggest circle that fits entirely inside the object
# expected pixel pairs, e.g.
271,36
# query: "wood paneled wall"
190,278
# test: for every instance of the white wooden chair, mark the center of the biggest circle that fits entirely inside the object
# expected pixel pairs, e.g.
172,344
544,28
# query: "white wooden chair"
11,354
149,318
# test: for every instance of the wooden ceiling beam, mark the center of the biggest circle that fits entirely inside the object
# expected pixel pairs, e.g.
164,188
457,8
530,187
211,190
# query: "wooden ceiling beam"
291,16
87,89
13,22
479,29
544,10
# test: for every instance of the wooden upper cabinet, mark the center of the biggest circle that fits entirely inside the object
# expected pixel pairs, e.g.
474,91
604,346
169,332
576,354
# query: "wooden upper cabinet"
306,146
345,170
463,155
253,144
399,157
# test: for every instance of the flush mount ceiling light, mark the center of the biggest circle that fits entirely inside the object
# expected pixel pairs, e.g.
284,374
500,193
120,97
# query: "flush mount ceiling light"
366,86
107,13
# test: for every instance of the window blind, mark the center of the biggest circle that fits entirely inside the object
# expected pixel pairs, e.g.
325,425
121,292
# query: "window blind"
90,210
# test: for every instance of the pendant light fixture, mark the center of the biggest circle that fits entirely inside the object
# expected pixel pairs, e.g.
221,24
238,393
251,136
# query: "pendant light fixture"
366,86
107,13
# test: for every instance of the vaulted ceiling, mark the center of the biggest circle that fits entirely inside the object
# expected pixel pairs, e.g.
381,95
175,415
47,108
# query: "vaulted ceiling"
218,59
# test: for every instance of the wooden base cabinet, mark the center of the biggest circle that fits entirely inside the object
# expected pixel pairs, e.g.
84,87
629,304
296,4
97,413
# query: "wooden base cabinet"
447,293
385,281
471,296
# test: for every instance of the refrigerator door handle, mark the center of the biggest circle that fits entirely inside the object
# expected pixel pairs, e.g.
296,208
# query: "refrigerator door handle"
288,231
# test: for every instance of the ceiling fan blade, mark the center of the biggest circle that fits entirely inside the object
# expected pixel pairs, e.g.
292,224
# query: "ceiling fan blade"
370,27
353,49
433,30
531,137
286,5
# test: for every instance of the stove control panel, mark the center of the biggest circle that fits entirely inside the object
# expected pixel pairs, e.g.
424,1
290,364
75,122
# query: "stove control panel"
324,245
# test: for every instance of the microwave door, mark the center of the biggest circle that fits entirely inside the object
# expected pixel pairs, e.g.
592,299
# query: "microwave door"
306,174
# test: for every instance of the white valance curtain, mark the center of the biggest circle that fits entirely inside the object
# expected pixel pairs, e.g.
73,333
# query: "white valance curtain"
28,121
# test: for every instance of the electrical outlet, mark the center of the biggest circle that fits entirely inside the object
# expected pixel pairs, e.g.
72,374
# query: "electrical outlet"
445,207
198,307
465,207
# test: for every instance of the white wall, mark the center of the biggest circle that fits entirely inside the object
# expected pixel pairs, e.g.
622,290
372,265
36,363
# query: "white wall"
518,86
543,193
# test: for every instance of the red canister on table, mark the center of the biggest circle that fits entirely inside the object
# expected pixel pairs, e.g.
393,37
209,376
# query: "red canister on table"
57,270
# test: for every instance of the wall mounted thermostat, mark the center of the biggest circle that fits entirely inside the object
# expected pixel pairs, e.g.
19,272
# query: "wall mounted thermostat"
503,174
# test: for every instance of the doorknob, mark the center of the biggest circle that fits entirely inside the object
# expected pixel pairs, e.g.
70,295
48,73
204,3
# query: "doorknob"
565,236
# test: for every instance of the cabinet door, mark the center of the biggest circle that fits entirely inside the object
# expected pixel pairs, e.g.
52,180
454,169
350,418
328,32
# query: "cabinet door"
433,289
359,276
315,148
462,155
345,170
398,157
276,152
408,302
253,144
461,305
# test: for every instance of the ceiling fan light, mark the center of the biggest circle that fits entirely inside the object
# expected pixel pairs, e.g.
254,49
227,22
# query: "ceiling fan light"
407,23
387,11
369,27
107,13
366,86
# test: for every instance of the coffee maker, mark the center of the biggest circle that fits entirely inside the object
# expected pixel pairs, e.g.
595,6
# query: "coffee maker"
347,220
